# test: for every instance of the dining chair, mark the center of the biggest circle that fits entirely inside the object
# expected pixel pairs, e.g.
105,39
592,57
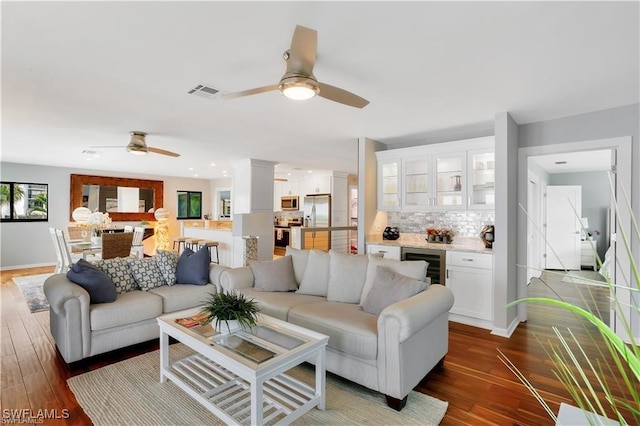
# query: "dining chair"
136,245
56,247
128,228
67,260
116,244
78,233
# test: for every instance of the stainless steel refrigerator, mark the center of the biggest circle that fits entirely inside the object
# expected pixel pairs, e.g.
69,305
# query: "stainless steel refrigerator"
317,210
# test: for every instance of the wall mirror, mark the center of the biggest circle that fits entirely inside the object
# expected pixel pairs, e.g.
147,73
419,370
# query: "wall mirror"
125,199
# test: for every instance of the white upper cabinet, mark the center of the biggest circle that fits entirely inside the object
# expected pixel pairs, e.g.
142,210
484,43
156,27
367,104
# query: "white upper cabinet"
446,176
482,178
317,184
388,184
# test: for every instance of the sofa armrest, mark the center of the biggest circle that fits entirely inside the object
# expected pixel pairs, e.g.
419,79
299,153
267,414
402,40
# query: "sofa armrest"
418,311
215,272
69,317
237,278
413,336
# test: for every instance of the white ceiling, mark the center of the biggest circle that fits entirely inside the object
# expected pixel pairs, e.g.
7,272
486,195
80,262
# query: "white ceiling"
77,74
583,161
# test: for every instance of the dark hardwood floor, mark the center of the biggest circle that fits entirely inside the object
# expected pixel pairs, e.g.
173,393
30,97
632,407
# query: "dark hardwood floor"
479,388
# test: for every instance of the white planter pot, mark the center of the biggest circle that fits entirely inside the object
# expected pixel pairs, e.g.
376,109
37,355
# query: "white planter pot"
226,327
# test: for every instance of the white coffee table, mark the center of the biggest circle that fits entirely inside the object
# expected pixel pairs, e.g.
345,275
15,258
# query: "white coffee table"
240,377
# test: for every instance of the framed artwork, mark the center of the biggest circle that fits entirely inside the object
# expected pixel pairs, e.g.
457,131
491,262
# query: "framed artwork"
189,205
111,204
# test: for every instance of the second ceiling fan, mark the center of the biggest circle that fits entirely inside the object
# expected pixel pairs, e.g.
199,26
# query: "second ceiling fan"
298,81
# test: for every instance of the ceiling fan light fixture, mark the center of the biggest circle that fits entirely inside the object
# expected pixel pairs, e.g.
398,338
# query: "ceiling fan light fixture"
299,88
137,149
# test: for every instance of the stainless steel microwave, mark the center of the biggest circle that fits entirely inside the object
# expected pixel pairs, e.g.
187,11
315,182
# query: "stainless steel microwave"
289,202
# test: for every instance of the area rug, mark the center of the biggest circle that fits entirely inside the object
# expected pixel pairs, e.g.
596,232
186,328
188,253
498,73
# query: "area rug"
130,392
31,287
584,277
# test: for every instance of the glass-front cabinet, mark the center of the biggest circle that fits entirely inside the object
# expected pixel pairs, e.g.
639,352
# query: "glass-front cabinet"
417,191
455,175
389,184
482,178
451,180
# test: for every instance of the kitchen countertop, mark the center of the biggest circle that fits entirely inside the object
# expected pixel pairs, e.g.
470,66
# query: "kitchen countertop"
471,244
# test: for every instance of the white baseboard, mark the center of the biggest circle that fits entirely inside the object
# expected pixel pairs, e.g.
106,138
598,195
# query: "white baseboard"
33,265
507,332
475,322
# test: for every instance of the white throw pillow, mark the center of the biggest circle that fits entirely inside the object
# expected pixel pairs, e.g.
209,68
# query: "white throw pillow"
416,269
273,275
300,259
316,276
347,273
388,288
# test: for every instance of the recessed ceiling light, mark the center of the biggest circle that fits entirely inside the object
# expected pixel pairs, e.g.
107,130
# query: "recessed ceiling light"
309,171
289,174
213,164
196,175
191,168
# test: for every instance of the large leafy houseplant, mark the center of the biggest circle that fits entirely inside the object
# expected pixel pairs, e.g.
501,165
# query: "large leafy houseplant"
228,306
583,377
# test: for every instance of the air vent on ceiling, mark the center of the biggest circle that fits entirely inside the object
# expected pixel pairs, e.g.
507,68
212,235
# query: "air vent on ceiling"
206,91
561,162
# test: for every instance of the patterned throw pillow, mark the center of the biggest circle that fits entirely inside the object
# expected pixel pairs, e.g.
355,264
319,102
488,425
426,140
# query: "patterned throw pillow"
167,262
146,273
120,273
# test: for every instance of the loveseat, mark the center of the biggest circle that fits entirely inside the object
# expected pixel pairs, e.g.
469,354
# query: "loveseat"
385,348
82,329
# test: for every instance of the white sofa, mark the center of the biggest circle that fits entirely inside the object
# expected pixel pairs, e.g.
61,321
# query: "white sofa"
82,330
390,352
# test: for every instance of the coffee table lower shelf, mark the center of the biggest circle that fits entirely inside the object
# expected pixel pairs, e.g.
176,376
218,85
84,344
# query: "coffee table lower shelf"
228,396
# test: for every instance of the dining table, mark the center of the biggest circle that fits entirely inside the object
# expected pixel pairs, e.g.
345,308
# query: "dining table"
87,248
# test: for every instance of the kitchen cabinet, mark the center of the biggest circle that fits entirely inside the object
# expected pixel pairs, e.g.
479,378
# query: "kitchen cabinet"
470,277
446,176
388,252
317,184
281,189
389,184
482,178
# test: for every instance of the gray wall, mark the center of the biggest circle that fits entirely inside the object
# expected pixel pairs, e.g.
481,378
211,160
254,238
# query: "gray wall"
29,243
595,200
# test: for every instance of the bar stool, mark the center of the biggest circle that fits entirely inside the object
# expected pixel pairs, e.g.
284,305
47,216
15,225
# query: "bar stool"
192,243
210,245
180,242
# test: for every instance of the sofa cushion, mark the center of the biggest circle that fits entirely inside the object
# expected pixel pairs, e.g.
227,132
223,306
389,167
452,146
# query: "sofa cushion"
416,269
299,259
316,275
388,288
119,272
274,275
179,297
98,284
167,261
277,305
350,329
193,268
347,273
146,273
129,307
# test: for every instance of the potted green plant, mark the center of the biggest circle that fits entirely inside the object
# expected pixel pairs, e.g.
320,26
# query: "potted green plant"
229,311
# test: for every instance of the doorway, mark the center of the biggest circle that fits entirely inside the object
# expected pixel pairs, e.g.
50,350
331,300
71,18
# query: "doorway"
617,152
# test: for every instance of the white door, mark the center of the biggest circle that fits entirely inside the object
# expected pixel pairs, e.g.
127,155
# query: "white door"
563,212
534,228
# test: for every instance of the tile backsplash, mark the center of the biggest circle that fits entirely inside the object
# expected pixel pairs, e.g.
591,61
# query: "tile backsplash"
464,223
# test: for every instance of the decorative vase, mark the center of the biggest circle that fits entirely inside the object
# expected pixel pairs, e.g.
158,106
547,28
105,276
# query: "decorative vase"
390,233
487,234
226,327
96,241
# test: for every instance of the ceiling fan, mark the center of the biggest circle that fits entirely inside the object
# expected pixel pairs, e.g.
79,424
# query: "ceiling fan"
138,146
298,81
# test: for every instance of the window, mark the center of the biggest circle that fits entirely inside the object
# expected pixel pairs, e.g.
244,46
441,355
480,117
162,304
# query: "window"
24,202
189,205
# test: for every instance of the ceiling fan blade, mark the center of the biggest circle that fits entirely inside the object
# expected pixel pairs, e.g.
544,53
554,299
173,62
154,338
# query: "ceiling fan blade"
341,96
250,92
162,151
303,51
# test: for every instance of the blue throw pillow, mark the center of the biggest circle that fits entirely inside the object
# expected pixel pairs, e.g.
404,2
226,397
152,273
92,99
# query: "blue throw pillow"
98,284
193,268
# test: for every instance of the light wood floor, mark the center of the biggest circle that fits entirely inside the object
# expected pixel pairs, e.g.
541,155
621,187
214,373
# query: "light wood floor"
479,388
